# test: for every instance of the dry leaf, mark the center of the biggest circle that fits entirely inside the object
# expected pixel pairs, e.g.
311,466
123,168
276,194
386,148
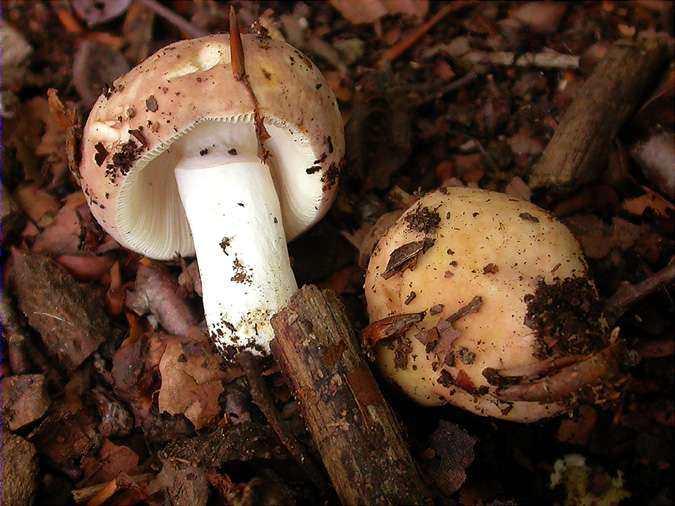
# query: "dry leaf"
650,199
95,12
540,17
518,188
63,235
135,364
450,452
192,381
578,430
36,203
156,292
366,237
111,460
369,11
86,267
183,483
190,280
94,67
15,52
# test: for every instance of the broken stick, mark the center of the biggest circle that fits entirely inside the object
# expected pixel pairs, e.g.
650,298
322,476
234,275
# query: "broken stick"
263,399
354,429
628,294
579,147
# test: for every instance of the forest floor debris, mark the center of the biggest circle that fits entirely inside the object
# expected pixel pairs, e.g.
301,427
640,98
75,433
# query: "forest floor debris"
112,394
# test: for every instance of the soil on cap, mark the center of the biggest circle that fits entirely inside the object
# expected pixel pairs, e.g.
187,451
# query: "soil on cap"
423,220
123,160
566,316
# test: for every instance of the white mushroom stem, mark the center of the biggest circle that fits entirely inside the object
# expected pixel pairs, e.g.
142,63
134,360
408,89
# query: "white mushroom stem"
239,238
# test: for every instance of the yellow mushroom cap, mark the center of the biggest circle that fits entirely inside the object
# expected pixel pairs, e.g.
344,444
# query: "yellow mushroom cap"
479,244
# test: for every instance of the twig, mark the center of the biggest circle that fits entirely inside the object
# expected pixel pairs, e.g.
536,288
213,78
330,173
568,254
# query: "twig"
545,59
409,40
559,386
389,327
52,316
69,22
263,399
628,294
356,432
180,22
236,47
433,91
481,148
579,147
239,73
473,306
105,493
659,348
83,494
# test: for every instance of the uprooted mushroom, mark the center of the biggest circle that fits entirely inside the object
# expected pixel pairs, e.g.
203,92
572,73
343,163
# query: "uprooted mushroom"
483,301
185,154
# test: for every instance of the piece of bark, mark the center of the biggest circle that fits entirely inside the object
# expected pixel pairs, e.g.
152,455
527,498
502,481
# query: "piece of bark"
23,354
244,441
71,322
183,483
578,150
450,452
355,431
65,437
24,399
19,470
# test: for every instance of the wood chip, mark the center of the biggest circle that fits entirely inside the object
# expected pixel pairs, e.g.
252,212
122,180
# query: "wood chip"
390,327
70,320
405,257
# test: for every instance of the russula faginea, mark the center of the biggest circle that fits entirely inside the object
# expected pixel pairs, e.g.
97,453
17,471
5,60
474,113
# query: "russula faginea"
483,301
170,167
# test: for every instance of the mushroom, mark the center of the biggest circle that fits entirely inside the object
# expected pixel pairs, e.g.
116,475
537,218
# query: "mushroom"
170,167
483,301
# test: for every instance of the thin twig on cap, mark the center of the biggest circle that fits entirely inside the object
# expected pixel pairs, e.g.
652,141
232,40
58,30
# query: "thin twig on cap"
236,48
239,73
